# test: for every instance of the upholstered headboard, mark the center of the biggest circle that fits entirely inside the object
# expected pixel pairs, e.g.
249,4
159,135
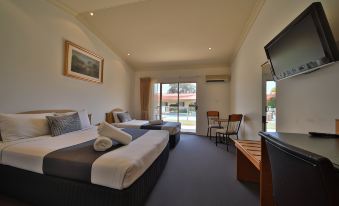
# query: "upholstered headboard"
109,115
54,111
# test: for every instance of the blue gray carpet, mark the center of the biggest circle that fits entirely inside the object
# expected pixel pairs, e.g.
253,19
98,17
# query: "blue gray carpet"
197,174
200,174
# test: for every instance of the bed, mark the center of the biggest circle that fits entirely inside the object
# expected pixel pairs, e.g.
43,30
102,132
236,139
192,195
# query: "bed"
65,170
174,128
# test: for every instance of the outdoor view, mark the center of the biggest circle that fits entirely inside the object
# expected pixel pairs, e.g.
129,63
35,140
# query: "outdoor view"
178,103
271,106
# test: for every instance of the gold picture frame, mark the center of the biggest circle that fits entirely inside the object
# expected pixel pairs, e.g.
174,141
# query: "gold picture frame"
83,64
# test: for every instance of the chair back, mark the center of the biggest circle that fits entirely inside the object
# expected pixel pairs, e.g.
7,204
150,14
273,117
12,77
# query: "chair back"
210,115
300,177
234,122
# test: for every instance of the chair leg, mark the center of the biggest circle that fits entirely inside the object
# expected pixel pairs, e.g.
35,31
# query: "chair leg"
227,142
216,138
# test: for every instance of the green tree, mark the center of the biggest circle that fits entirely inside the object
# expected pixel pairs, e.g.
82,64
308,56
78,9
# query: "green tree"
183,88
271,102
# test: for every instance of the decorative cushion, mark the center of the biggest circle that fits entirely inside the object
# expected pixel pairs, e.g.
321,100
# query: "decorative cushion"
64,124
115,117
124,117
21,126
83,115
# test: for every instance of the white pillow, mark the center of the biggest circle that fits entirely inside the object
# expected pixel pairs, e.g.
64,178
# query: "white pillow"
83,115
84,119
20,126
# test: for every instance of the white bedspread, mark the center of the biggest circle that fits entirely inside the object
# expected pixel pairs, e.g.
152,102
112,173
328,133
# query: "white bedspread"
117,169
131,124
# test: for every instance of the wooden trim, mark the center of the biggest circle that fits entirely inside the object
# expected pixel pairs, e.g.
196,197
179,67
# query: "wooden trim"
48,111
251,149
109,117
246,171
66,73
54,111
337,126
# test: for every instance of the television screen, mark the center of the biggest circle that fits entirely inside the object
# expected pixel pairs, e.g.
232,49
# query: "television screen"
305,45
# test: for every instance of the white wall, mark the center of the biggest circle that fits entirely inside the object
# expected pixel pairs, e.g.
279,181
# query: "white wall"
304,103
31,56
210,96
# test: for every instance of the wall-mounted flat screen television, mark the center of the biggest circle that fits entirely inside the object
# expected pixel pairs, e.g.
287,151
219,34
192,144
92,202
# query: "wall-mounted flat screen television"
305,45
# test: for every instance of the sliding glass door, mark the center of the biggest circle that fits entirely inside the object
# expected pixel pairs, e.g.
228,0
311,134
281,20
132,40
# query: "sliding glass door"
176,102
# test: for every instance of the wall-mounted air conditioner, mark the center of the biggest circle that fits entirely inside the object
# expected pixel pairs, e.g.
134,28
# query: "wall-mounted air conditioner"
218,78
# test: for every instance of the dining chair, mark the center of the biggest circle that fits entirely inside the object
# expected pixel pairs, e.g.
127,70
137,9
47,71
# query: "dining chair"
212,123
300,177
232,128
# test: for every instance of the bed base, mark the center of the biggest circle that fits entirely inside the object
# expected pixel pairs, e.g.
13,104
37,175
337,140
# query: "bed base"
174,139
38,189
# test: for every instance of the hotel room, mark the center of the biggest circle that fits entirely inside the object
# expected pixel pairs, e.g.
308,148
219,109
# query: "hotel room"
169,102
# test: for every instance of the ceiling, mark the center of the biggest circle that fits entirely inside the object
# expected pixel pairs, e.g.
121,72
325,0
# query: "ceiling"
162,34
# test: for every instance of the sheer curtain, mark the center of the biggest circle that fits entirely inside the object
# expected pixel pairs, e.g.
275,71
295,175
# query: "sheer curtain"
155,100
145,91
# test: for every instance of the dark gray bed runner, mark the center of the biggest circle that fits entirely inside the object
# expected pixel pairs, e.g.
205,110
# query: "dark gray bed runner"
75,162
159,126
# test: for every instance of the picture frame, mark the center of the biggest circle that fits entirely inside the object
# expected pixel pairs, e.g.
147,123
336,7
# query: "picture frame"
83,64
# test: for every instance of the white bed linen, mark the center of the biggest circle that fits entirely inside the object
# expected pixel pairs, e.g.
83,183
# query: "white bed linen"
29,155
133,160
131,124
138,123
117,169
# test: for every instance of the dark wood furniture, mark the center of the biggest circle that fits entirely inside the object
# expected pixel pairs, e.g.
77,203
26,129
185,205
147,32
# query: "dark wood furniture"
109,117
212,116
248,160
325,147
337,126
312,175
232,128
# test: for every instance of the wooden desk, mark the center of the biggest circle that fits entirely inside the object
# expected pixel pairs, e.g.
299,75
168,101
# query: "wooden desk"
326,147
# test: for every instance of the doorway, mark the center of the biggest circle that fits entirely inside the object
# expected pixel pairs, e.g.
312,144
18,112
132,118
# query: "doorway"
271,116
269,97
177,103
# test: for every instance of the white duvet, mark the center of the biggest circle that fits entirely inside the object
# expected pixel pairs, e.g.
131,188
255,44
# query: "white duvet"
117,169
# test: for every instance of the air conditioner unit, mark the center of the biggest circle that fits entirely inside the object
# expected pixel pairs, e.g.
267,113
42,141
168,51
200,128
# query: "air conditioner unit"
218,78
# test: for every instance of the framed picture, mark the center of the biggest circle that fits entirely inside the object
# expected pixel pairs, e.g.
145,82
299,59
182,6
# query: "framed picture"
81,63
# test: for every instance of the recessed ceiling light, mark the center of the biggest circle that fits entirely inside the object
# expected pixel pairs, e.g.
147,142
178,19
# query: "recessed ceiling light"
209,48
128,54
91,13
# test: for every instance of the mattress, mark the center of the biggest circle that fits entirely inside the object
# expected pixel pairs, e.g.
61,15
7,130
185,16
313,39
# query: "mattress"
172,127
117,169
55,191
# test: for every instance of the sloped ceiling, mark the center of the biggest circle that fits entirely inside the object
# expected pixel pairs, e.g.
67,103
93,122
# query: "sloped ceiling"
163,34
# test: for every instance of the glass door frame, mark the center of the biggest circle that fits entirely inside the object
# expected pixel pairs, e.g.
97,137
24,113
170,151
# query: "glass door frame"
178,98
